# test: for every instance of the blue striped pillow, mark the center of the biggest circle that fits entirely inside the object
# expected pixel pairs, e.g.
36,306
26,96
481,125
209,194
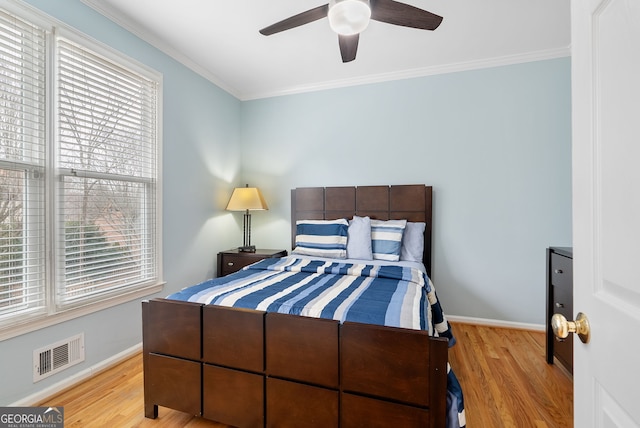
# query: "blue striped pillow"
386,239
322,238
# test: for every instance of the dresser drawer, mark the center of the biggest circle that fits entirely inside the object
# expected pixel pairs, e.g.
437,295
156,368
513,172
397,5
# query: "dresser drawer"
561,271
233,260
563,301
563,351
233,263
563,304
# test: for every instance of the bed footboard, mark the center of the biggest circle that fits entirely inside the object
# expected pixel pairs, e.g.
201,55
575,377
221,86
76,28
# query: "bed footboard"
171,346
233,366
249,368
390,375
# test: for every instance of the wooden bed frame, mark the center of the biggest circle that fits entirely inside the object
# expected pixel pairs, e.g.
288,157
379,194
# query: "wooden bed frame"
249,368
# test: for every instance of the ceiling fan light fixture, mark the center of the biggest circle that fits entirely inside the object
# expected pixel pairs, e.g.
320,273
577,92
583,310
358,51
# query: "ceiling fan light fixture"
349,17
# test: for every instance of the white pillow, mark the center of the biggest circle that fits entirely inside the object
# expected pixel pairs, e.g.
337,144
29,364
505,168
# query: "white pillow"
413,242
359,239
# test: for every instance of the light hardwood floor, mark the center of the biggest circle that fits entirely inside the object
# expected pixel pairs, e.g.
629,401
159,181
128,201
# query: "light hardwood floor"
503,373
506,380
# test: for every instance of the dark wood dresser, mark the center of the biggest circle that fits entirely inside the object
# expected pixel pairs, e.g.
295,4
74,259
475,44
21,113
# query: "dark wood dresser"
559,300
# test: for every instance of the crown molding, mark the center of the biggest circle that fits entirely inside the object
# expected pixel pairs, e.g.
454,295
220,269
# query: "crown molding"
417,72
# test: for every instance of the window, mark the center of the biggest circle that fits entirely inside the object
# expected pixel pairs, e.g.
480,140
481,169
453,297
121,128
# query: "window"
79,156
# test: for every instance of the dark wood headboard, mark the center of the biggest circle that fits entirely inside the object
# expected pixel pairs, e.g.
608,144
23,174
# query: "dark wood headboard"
411,202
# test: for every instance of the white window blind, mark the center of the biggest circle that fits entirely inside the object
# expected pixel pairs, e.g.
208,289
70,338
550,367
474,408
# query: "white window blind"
22,168
79,188
107,161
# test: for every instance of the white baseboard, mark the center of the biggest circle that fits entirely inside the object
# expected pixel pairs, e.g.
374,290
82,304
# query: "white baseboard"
496,323
81,376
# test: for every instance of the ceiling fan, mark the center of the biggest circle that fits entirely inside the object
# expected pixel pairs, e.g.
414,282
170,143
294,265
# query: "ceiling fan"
349,18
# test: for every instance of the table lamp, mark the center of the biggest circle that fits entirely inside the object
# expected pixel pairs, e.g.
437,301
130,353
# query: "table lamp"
246,199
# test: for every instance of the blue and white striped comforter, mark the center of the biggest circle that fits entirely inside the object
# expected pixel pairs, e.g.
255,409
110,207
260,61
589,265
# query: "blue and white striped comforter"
390,295
386,295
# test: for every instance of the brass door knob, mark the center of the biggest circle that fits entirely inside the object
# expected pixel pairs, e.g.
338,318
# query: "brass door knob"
561,327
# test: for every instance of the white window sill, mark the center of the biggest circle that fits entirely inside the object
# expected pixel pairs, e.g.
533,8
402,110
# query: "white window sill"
49,320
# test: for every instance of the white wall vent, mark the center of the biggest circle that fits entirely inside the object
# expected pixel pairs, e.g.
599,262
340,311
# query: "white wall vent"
51,359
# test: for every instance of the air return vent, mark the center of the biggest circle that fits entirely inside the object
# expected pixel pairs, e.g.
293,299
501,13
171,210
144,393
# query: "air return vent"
57,357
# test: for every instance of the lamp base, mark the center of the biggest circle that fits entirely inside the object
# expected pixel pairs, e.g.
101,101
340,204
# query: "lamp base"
247,249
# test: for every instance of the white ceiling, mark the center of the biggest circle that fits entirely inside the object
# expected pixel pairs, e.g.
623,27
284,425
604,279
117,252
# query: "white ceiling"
219,39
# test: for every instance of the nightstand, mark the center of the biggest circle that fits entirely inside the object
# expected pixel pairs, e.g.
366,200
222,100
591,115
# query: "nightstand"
231,261
560,300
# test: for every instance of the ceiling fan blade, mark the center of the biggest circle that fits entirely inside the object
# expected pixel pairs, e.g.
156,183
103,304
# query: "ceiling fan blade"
297,20
348,46
393,12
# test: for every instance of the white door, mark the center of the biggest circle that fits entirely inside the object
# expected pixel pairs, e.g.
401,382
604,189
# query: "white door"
606,210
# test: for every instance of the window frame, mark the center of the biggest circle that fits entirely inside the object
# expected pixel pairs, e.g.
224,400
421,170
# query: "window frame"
53,313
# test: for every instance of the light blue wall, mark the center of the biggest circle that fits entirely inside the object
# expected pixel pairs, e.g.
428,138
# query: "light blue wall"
495,144
201,131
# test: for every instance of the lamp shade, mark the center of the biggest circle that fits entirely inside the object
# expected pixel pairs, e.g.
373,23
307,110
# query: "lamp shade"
246,198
